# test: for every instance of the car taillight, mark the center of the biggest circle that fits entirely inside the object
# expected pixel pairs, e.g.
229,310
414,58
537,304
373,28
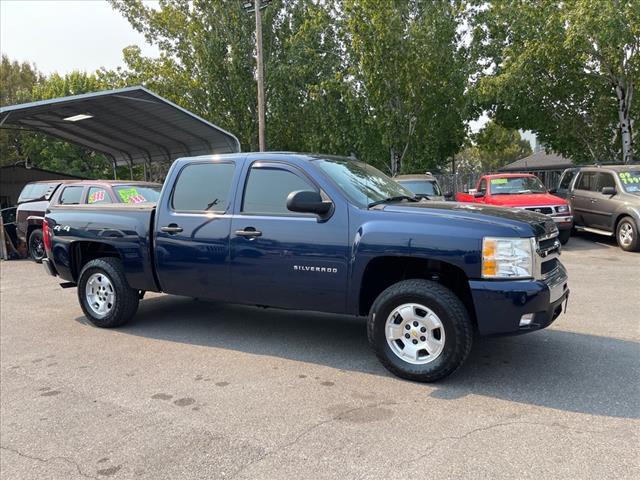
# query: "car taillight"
46,235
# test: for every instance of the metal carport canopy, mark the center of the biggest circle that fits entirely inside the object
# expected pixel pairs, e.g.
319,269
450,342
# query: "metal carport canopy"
131,125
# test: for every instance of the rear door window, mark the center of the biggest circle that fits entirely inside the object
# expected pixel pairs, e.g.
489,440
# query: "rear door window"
203,187
98,195
71,196
587,181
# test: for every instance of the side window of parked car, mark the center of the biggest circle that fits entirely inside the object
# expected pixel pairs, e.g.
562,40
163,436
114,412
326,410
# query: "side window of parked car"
98,195
203,187
483,186
587,181
566,179
267,190
605,180
71,196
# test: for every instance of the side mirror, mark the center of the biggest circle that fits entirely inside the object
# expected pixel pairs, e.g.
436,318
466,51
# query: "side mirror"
608,191
478,194
448,195
304,201
553,190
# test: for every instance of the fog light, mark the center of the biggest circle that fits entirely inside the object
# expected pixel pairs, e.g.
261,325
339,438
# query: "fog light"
526,319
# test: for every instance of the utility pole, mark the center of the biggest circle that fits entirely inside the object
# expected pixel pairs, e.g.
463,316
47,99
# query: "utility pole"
260,76
256,7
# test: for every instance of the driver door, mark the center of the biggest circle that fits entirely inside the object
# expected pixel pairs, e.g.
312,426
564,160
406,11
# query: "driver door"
284,259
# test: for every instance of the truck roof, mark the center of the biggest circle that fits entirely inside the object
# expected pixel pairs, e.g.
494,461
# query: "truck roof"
508,175
415,176
112,182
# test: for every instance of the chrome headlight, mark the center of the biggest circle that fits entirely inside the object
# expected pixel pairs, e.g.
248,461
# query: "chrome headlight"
507,257
563,209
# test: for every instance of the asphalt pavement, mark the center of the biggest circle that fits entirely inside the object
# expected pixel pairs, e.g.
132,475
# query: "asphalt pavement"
201,390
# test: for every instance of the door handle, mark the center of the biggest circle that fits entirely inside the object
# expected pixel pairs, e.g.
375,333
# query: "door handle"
171,228
594,200
248,232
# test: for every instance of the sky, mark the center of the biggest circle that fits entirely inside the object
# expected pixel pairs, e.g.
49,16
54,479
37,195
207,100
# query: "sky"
65,35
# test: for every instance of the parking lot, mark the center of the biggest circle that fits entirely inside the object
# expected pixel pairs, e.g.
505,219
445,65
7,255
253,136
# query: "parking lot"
193,389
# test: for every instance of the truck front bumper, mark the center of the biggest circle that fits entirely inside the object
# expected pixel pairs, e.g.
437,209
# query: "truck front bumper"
519,306
563,222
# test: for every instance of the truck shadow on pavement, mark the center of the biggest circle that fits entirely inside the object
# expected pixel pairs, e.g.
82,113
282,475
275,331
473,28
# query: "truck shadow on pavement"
582,241
562,370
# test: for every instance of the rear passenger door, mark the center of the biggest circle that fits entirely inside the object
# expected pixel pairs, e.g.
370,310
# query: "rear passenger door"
192,231
583,198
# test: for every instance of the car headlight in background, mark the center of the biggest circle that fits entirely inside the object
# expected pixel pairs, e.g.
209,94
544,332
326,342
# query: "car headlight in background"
507,257
563,209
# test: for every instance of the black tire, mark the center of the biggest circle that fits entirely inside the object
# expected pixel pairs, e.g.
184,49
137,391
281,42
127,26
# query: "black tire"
452,314
36,245
125,299
629,225
564,236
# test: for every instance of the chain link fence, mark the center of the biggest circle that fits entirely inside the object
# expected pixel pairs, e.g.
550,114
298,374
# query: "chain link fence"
460,182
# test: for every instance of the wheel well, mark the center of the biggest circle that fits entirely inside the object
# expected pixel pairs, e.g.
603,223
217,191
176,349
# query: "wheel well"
618,220
83,252
31,228
383,272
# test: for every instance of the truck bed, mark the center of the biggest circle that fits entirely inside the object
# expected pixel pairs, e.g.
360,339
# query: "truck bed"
124,229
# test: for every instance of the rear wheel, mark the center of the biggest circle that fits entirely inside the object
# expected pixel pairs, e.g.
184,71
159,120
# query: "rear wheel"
564,236
420,330
106,298
36,245
627,235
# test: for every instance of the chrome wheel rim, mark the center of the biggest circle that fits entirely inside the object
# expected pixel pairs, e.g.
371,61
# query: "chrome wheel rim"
100,294
415,334
625,235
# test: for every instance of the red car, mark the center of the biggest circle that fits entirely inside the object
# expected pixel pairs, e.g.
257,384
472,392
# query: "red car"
521,190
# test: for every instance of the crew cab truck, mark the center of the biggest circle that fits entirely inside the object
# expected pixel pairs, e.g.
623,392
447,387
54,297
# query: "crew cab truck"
517,190
310,232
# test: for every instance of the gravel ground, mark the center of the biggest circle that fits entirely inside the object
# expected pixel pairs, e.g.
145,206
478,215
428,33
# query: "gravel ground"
202,390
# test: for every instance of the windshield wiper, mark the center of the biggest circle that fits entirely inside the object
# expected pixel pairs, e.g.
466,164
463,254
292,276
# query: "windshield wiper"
397,198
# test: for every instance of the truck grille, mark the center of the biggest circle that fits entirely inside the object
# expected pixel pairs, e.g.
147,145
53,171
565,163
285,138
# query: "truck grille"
548,253
545,210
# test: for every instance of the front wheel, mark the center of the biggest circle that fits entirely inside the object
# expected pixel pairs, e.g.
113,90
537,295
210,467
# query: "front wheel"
420,330
106,298
564,236
36,245
627,235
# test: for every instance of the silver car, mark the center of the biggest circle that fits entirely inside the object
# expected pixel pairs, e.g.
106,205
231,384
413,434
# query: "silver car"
423,186
605,200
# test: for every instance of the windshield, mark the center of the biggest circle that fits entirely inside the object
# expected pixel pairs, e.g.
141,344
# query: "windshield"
361,183
630,181
422,187
516,186
137,193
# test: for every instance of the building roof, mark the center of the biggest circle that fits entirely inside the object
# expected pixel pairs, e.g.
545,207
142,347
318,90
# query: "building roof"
131,125
36,169
540,160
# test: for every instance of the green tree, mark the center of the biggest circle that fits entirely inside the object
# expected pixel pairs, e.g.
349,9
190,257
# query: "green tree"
566,70
16,84
411,70
497,146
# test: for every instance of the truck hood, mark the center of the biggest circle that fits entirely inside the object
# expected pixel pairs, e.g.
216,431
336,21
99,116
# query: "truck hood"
516,219
527,200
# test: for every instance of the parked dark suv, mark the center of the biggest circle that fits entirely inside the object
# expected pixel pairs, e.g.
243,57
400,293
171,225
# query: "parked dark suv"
35,198
605,200
32,203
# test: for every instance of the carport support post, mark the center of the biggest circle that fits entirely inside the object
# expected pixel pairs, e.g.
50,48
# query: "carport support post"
115,169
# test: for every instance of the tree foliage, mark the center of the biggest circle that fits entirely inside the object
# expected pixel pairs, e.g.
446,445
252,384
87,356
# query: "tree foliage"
565,70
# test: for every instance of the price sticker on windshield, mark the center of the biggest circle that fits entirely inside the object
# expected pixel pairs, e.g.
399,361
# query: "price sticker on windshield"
499,181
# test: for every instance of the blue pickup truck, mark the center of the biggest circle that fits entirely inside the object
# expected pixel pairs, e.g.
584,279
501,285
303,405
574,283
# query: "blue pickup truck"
323,233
